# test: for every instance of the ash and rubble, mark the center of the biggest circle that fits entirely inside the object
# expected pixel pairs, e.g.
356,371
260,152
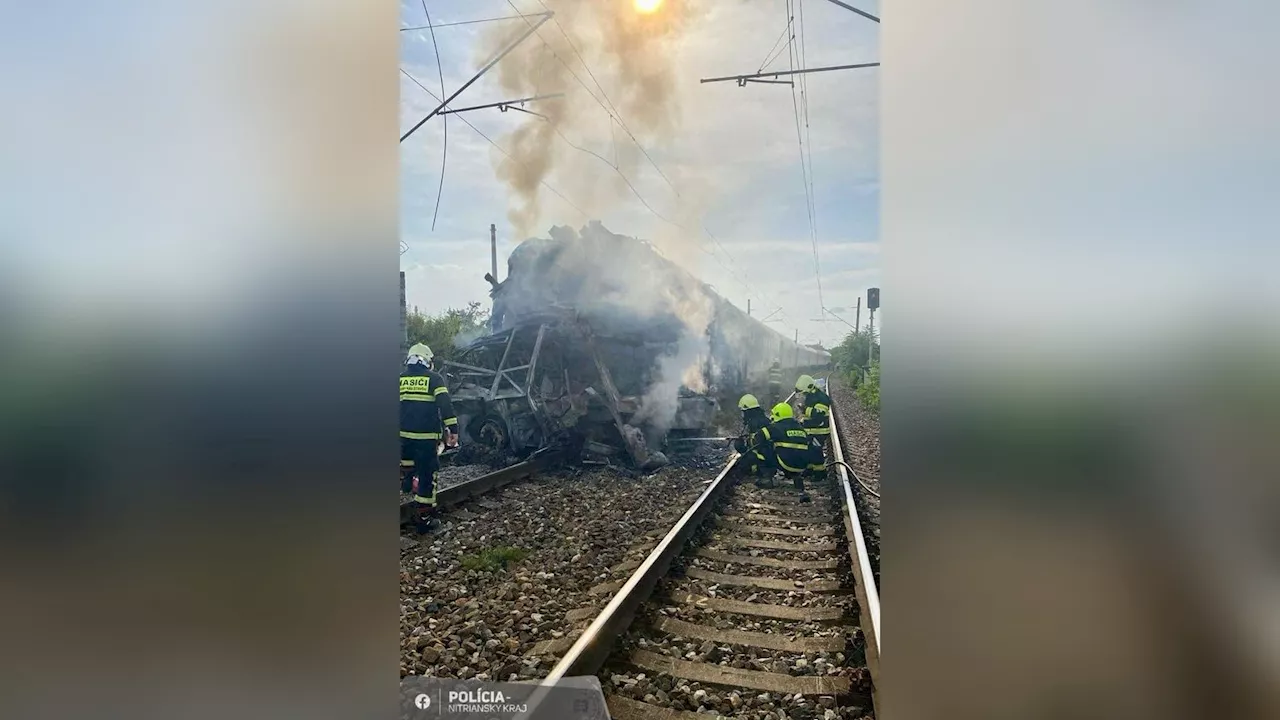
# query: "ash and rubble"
599,343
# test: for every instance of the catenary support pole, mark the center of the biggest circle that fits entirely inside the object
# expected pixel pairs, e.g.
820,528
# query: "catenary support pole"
493,248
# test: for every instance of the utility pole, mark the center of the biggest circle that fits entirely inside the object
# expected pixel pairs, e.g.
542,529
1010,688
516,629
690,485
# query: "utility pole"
797,360
857,319
873,304
871,339
748,307
493,249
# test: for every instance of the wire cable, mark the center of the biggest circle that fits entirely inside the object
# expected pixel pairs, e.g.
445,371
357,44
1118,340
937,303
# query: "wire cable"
777,45
444,153
793,56
613,113
813,200
463,22
500,149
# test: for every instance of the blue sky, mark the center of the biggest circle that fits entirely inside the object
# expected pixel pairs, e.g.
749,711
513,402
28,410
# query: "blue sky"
732,156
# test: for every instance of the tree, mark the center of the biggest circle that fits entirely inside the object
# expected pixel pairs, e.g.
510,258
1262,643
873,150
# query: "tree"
444,333
850,355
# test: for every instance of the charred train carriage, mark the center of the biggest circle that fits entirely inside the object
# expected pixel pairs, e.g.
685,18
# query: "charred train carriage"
599,338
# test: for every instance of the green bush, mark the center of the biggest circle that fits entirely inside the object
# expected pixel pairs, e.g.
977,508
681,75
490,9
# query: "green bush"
443,332
869,388
494,558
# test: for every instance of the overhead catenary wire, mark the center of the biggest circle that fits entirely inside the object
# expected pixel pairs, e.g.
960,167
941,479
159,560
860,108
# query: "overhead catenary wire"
793,55
444,152
615,114
461,22
808,136
608,107
498,147
777,46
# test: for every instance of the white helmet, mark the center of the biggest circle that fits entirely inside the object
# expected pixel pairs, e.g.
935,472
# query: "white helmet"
419,354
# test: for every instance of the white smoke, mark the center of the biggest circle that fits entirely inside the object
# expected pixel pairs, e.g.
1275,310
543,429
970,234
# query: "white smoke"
660,402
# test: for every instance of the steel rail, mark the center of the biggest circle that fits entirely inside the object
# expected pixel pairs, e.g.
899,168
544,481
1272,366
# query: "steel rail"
475,487
589,653
867,593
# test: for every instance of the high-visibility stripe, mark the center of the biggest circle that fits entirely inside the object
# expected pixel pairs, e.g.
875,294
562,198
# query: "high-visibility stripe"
423,500
441,390
819,430
419,436
418,398
821,408
451,421
793,446
406,463
788,467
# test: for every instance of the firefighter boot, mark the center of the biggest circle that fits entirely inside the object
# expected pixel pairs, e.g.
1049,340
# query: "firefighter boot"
799,483
424,518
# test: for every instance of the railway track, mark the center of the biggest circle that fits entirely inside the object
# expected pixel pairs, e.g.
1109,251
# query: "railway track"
751,605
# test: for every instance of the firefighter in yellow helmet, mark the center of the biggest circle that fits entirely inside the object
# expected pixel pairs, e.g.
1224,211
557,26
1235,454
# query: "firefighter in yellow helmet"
817,408
784,445
753,418
426,417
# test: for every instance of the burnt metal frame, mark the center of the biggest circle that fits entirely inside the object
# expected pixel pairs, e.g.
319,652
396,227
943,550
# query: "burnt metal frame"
504,373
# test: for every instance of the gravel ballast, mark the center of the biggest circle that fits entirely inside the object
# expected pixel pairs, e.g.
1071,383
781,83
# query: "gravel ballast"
463,618
860,439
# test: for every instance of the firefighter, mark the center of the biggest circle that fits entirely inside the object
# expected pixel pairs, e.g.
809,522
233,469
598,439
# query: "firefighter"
817,408
753,419
775,382
784,445
426,416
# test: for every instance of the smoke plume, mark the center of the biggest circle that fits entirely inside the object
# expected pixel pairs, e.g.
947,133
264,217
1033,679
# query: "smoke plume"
632,74
659,404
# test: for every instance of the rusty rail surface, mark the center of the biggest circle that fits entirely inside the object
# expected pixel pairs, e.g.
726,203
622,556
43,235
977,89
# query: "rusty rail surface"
591,650
865,586
475,487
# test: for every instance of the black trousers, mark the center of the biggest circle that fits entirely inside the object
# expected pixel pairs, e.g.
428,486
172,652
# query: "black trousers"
425,464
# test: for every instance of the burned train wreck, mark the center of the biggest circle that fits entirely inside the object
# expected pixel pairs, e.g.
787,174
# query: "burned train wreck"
598,341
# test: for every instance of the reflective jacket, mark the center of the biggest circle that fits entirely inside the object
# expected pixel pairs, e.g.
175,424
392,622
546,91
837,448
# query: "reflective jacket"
425,409
784,444
817,412
753,419
775,374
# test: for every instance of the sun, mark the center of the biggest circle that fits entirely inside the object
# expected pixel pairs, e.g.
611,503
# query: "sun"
647,6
